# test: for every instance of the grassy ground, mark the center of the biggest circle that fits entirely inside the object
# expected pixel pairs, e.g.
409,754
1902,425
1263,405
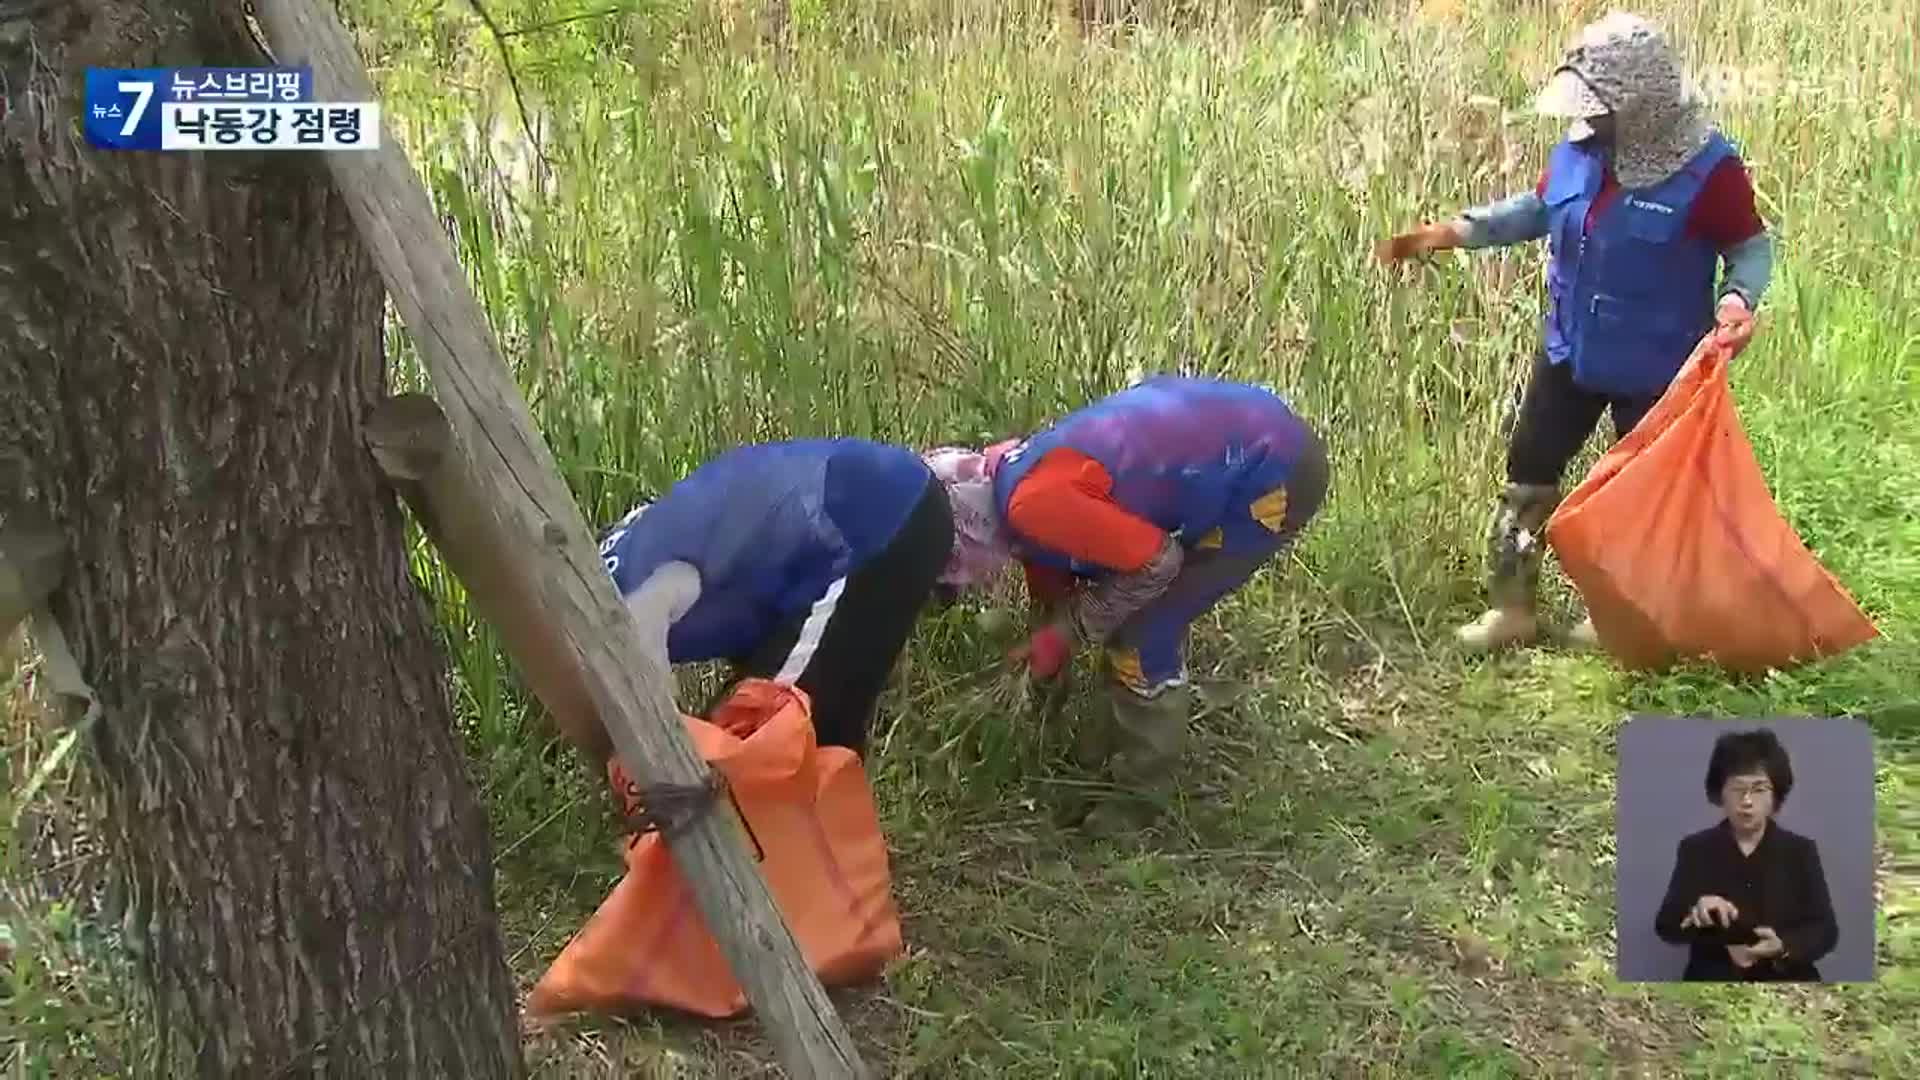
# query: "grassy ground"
933,221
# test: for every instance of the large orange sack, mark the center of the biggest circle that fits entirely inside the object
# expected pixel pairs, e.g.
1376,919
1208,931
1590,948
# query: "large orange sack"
809,819
1675,544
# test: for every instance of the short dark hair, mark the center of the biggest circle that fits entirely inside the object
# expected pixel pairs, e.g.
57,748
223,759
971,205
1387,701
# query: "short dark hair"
1739,752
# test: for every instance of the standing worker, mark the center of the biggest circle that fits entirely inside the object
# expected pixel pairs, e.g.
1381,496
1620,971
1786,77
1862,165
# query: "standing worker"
1640,202
1133,517
814,558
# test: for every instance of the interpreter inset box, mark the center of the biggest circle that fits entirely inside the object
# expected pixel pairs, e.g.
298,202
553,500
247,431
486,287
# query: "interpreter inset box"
1745,850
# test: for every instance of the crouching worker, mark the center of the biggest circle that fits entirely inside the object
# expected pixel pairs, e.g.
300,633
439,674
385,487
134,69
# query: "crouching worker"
814,559
1132,518
1640,203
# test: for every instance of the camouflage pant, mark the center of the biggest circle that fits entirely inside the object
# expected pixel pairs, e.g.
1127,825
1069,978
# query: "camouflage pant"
1517,542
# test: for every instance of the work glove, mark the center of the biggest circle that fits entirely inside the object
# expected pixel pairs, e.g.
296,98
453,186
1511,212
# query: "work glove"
1045,653
1733,323
1435,236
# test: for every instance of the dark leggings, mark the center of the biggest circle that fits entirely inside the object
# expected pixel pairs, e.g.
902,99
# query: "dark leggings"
1555,419
841,650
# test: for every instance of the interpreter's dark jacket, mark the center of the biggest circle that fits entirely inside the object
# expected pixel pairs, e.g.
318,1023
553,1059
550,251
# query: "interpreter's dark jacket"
1781,886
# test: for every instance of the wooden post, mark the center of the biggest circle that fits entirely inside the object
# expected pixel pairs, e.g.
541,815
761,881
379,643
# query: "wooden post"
626,676
413,443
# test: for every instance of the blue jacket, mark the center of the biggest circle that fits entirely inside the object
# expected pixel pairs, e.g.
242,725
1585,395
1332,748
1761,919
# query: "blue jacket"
1630,298
770,527
1187,454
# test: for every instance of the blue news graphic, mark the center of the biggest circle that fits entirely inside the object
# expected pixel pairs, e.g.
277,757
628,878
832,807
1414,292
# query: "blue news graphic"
123,107
126,107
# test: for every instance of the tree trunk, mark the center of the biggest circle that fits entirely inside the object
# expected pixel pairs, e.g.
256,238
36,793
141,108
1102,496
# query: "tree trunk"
188,345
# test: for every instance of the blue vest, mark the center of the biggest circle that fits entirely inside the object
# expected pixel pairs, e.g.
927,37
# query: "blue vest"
1630,299
1187,454
769,527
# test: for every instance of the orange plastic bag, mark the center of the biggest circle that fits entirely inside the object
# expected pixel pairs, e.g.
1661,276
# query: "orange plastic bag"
1675,544
810,820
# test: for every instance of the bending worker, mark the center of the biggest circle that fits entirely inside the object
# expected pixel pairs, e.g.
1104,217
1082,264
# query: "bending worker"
814,559
1133,517
1639,202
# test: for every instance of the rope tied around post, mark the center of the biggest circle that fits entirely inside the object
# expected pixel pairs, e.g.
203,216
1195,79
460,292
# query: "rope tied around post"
668,809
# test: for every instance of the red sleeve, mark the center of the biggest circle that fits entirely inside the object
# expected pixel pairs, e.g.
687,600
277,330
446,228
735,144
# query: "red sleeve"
1725,214
1065,502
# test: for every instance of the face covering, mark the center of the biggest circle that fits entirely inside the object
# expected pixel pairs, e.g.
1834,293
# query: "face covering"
1596,132
1622,66
980,546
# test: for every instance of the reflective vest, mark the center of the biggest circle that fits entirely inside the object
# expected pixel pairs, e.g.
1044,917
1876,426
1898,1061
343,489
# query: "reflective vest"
1630,297
769,527
1190,455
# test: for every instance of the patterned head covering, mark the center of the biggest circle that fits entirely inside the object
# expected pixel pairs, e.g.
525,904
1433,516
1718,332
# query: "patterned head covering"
1622,65
980,545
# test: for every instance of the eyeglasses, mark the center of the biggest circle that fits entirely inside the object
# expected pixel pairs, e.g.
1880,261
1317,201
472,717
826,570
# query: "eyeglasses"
1739,792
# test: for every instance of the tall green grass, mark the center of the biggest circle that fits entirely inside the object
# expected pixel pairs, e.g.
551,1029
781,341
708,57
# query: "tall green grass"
927,222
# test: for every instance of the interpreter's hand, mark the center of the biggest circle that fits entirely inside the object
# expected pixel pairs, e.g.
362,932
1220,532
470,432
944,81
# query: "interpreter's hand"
1742,956
1733,323
1434,236
1046,652
1710,911
1769,946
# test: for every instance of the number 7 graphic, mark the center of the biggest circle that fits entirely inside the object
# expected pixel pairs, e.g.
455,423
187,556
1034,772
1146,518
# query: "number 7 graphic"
142,94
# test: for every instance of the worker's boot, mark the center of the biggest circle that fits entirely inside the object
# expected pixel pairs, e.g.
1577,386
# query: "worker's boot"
1516,546
1148,737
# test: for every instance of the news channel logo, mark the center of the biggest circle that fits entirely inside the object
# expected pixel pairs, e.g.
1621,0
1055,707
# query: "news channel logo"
175,109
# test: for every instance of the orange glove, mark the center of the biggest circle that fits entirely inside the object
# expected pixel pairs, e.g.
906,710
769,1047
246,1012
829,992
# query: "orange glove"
1046,652
1438,236
1734,323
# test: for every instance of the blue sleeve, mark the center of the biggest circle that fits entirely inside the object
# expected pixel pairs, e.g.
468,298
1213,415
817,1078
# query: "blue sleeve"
1515,219
725,624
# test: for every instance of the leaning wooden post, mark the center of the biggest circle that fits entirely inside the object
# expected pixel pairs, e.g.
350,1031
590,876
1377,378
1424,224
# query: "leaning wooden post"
414,445
627,676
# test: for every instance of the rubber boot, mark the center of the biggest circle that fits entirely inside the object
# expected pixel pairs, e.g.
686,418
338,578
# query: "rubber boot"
1515,548
1149,737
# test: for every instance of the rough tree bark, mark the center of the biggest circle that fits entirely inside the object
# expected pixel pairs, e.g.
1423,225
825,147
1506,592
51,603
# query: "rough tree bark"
188,345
